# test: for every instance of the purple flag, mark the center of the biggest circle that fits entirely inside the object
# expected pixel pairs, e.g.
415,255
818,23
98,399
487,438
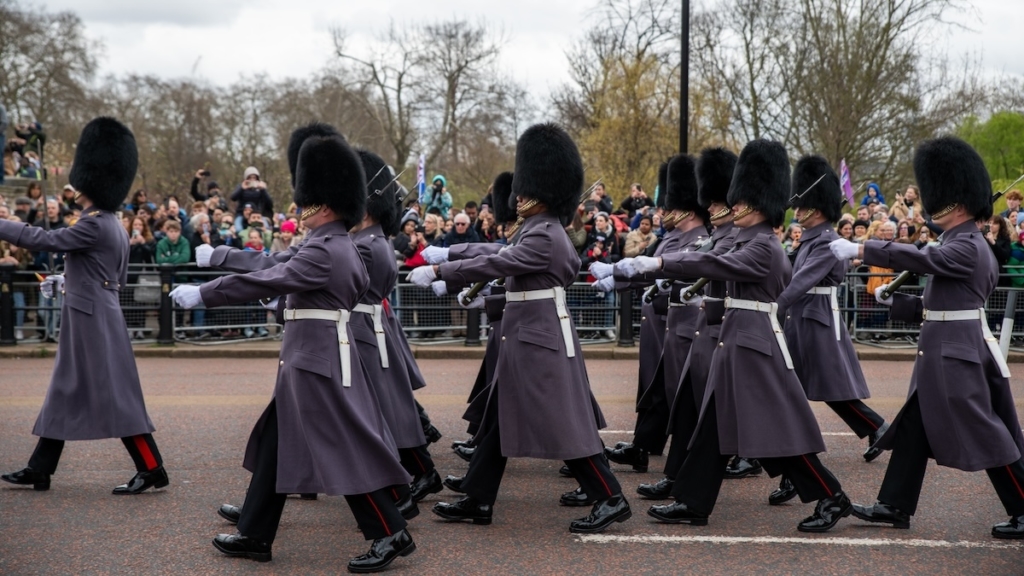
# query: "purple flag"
844,180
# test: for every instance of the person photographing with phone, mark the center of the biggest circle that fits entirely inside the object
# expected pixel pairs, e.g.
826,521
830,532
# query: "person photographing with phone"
253,191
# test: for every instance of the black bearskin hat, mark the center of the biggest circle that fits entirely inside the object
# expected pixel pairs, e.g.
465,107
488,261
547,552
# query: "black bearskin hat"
382,202
949,171
681,185
549,169
299,136
761,179
501,194
826,197
659,202
106,160
329,172
714,175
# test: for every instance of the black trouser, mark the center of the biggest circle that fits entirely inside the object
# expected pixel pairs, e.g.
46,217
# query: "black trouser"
858,416
650,432
375,512
416,461
700,478
424,418
684,424
142,448
488,465
909,460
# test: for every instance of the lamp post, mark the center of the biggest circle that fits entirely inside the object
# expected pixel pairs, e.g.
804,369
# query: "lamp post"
684,78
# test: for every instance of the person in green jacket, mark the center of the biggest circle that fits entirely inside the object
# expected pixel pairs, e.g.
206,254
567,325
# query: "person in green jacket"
172,249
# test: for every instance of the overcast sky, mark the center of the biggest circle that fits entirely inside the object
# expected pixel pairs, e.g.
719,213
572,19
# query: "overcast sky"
220,40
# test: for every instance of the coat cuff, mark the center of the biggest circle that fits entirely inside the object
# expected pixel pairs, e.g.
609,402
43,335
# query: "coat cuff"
875,253
220,255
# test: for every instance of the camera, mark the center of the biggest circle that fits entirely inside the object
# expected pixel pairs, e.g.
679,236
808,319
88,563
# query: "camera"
204,173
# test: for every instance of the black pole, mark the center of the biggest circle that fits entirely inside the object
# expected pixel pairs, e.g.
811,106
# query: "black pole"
684,79
626,319
7,305
166,333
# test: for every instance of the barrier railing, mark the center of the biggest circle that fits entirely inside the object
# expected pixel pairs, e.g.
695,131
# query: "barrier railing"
151,316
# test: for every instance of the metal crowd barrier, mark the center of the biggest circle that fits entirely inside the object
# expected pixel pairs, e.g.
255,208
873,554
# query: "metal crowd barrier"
151,316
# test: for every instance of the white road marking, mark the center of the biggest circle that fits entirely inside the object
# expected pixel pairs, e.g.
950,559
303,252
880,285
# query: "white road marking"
631,431
910,543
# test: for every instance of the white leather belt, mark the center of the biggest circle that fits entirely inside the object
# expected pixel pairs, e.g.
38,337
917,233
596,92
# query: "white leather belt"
558,295
340,317
831,292
772,310
376,311
967,315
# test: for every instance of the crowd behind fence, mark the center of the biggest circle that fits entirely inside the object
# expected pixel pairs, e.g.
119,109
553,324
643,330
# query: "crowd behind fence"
150,316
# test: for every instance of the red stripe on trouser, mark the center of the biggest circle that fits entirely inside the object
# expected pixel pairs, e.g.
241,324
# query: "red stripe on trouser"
603,483
386,305
1015,483
394,494
816,475
866,419
379,515
147,454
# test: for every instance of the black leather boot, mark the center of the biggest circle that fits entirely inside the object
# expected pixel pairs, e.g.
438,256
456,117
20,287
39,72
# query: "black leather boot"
383,552
230,513
565,472
783,494
26,476
630,456
454,483
1010,530
742,468
468,508
142,481
827,514
425,484
407,507
602,515
873,452
678,513
882,513
431,433
576,497
660,490
241,547
465,452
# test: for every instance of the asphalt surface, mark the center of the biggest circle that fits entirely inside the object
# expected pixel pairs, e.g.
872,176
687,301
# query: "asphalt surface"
204,410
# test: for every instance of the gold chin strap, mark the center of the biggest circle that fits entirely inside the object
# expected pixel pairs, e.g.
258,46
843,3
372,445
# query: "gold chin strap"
310,211
742,213
944,211
721,214
526,207
77,196
673,217
810,214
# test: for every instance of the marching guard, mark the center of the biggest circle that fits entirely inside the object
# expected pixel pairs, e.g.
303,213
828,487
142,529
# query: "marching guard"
823,354
959,410
540,404
754,405
715,167
323,431
94,391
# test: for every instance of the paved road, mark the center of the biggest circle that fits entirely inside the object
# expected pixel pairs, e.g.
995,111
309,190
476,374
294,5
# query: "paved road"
204,410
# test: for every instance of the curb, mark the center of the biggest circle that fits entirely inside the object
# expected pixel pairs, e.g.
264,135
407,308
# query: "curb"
597,352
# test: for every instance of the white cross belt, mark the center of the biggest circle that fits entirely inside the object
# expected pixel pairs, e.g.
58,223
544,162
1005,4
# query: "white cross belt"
976,315
831,292
376,311
772,310
558,295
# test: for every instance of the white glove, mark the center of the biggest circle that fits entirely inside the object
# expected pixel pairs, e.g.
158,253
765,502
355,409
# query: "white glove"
878,295
645,264
203,254
476,302
52,285
625,268
272,305
600,270
422,276
186,296
663,285
606,284
440,288
843,249
435,255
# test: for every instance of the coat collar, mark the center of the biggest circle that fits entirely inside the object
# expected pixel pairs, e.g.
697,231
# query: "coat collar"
335,227
747,234
812,233
968,227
